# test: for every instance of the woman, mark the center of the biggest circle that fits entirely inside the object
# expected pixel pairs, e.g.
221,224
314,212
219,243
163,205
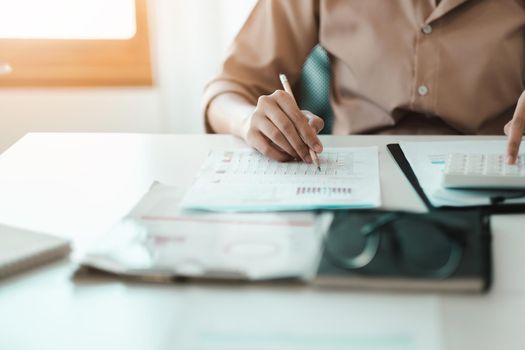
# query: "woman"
398,67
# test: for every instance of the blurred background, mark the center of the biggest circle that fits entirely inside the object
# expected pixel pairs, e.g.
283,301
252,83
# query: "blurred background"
110,66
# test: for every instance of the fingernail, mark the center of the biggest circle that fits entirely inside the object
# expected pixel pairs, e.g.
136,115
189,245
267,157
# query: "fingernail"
318,147
308,159
510,159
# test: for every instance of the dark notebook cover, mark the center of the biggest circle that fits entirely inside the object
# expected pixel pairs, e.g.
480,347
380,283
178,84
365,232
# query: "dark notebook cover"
389,270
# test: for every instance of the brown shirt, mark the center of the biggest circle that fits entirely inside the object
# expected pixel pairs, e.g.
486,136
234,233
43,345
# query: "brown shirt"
398,66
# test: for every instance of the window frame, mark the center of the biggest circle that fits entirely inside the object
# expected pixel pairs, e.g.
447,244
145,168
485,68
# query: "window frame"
59,62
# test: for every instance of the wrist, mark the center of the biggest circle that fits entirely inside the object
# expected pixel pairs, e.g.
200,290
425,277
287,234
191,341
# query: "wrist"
240,126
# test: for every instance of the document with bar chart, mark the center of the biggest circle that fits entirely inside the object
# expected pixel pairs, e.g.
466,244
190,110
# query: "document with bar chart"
244,180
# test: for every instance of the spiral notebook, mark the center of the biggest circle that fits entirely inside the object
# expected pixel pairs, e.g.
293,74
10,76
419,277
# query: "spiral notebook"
22,249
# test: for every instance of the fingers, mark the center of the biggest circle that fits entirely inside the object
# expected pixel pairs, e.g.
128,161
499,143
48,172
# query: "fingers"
514,131
258,141
506,128
287,129
271,132
278,129
305,131
514,140
315,122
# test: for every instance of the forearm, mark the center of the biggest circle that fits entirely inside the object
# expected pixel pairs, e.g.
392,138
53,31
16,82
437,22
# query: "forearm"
229,113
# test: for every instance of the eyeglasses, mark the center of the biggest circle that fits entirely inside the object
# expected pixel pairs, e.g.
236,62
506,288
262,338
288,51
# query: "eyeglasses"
429,245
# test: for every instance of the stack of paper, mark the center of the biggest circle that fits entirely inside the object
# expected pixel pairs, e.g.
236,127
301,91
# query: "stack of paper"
156,240
160,237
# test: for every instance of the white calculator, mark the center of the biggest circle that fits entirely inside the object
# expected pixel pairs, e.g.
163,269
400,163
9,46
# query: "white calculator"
490,171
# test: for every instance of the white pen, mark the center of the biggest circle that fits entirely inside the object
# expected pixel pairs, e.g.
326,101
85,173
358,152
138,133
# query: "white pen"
288,89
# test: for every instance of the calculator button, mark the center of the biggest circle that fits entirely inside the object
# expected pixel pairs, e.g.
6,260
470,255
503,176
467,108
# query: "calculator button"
511,170
492,170
463,170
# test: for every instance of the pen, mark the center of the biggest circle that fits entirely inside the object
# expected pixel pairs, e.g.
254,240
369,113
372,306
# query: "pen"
288,89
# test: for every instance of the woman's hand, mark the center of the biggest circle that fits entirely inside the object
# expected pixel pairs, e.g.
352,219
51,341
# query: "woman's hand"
514,130
279,130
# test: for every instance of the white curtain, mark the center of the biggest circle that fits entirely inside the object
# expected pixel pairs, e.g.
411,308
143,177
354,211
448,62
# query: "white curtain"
190,40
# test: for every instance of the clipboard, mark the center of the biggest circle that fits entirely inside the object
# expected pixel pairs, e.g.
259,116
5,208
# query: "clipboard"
403,163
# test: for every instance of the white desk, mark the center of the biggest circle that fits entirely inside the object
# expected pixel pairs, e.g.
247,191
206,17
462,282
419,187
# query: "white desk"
77,185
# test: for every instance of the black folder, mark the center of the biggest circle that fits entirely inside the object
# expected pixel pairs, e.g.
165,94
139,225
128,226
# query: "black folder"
499,207
403,244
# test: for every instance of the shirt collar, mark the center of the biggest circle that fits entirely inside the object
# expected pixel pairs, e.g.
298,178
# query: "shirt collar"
444,7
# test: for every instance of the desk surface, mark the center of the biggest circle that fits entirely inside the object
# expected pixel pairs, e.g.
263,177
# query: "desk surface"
78,185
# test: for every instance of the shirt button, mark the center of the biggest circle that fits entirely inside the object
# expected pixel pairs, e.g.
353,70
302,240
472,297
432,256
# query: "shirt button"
427,29
422,90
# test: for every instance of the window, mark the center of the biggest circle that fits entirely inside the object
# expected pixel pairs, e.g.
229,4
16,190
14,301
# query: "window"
74,43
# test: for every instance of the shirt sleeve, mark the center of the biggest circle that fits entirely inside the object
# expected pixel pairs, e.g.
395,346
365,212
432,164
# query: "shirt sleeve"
276,38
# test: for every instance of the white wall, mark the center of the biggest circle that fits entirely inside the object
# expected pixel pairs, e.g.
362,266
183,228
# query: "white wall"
189,38
103,110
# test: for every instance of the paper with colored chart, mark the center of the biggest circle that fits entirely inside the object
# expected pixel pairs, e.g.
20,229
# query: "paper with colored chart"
244,180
